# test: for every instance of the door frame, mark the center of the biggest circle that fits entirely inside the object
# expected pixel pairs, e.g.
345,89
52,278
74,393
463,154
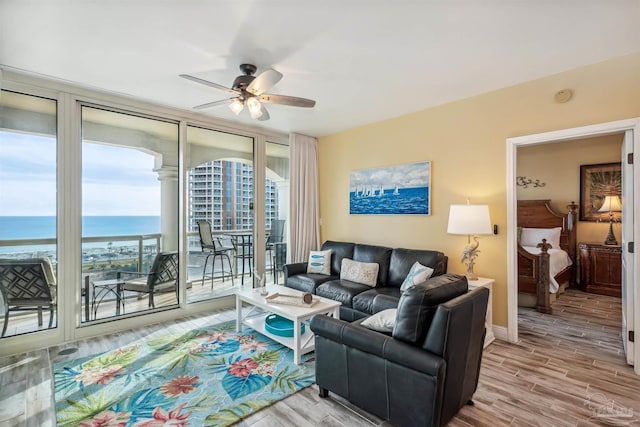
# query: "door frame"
513,143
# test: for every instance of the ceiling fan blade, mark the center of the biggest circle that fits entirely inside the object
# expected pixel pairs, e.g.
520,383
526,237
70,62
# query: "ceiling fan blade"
265,81
287,100
214,103
208,83
265,114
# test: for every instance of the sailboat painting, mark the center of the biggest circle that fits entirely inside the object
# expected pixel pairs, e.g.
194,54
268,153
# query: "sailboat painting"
391,190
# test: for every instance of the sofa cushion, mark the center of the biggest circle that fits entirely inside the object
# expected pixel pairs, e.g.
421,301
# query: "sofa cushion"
319,262
418,304
403,259
418,274
341,290
308,282
340,250
381,255
364,302
359,272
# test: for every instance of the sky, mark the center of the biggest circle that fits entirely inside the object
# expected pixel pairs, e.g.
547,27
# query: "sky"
115,180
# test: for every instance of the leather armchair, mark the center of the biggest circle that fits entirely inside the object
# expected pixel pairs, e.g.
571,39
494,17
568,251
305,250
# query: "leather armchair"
414,377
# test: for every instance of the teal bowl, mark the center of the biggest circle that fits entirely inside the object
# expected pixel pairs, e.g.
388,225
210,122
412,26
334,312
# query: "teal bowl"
278,325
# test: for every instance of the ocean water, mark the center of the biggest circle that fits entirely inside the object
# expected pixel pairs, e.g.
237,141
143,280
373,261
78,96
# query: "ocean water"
408,201
44,227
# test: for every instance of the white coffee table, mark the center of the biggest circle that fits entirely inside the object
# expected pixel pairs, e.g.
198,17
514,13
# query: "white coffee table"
299,343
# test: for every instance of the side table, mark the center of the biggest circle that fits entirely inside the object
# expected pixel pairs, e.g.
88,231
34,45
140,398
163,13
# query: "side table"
601,268
487,283
95,292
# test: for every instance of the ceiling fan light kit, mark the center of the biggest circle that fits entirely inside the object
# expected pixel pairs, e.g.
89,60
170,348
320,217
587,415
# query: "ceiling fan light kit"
254,107
251,89
236,106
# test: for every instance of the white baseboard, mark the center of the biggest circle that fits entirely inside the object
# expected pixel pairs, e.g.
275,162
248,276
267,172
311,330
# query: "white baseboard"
500,333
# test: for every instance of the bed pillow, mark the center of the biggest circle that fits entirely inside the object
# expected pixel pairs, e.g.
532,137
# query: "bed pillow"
382,321
319,262
533,236
359,272
418,274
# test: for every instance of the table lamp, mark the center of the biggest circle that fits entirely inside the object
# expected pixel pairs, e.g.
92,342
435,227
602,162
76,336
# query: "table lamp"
470,220
611,204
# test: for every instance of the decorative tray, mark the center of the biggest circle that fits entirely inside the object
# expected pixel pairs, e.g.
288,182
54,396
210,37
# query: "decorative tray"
278,298
278,325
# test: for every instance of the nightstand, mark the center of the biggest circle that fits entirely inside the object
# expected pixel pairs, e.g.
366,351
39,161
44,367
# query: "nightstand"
600,268
487,283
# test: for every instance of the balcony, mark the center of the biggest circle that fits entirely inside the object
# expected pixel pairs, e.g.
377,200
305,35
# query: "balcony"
102,257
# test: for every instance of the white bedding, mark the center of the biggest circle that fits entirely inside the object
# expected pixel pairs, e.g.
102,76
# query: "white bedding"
558,261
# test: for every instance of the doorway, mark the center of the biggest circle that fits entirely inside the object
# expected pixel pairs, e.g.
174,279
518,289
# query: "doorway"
632,127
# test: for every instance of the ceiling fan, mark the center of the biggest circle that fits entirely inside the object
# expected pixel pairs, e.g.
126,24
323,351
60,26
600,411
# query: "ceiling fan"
251,90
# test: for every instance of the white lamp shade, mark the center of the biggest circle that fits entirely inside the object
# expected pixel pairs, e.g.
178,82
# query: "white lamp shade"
611,204
469,219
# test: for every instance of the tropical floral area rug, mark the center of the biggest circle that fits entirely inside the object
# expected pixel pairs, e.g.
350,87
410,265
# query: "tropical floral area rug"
208,377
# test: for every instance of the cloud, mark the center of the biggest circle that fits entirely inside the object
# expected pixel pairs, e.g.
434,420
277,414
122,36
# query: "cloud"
115,180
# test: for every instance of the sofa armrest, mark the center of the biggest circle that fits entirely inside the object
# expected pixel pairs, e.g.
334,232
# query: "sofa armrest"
384,302
293,269
377,344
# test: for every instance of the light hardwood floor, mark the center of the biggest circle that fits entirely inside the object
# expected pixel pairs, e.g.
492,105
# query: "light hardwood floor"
566,366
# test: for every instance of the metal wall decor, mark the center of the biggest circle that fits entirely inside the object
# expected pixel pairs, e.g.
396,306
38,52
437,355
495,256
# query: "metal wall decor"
525,182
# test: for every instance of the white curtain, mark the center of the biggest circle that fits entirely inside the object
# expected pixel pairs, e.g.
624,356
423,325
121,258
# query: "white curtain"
305,211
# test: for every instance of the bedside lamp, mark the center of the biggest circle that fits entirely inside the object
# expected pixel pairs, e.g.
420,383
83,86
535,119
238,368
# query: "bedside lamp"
470,220
611,204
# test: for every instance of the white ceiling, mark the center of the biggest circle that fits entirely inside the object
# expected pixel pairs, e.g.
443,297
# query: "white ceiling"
362,61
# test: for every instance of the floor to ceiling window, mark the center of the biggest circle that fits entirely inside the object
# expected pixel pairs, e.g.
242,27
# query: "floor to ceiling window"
129,213
92,208
28,213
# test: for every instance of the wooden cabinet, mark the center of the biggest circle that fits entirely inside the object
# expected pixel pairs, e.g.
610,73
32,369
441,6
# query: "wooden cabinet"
600,268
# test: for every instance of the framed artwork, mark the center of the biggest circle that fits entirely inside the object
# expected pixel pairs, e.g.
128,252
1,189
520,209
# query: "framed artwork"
597,182
392,190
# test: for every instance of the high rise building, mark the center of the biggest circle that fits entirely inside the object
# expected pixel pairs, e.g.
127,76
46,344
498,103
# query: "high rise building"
221,192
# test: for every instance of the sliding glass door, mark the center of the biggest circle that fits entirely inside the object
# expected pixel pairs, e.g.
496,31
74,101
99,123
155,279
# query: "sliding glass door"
129,213
276,210
220,214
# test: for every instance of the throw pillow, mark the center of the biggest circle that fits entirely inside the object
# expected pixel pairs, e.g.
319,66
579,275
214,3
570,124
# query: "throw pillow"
359,272
533,236
382,321
319,262
418,274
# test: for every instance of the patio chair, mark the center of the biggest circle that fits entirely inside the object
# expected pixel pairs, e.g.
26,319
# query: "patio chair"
214,248
276,235
27,285
162,276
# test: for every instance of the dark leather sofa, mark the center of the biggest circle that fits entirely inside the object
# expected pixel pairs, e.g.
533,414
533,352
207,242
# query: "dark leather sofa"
421,374
360,300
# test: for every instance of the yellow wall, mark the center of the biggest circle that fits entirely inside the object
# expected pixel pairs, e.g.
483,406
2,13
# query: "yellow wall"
465,141
558,166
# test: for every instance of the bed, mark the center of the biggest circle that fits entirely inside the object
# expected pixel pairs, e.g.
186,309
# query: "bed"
545,271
